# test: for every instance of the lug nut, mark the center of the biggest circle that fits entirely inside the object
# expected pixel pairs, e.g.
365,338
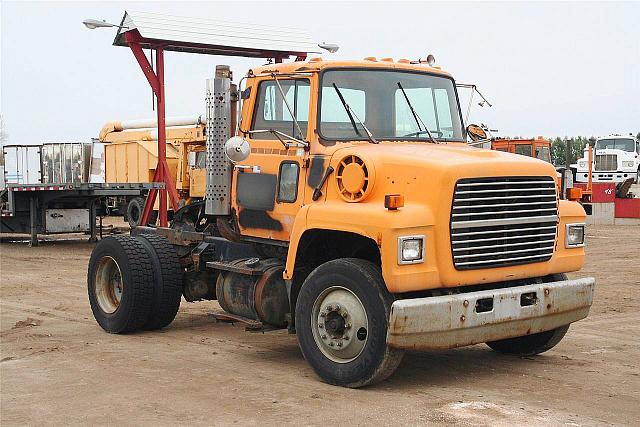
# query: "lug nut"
346,337
323,336
331,344
339,344
329,307
347,326
320,325
323,314
465,303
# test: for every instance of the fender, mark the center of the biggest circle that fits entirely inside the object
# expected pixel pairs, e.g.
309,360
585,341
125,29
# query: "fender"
370,220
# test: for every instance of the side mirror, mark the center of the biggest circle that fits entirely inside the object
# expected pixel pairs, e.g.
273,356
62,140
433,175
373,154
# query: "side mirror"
237,149
476,133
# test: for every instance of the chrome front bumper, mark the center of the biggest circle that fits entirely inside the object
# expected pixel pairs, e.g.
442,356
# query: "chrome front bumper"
450,321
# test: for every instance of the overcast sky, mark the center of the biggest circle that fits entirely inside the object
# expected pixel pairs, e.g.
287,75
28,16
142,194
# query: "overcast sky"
550,69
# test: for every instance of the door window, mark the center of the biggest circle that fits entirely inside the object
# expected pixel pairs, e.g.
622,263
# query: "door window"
288,184
271,109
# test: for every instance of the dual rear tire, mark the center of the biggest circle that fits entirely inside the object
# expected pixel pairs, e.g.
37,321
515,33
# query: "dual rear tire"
134,283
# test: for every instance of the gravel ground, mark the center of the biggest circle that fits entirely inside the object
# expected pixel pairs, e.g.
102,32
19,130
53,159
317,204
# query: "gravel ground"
58,367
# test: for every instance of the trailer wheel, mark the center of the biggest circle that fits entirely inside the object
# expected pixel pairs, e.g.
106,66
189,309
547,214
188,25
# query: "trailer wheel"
167,284
342,315
120,284
530,345
134,211
135,208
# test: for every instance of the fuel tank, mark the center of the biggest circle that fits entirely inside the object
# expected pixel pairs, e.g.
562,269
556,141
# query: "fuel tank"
255,290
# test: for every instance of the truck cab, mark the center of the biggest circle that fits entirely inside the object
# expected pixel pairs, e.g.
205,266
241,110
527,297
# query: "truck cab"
538,148
344,204
616,158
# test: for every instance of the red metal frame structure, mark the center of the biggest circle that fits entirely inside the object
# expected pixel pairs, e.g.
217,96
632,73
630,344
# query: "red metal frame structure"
162,173
166,35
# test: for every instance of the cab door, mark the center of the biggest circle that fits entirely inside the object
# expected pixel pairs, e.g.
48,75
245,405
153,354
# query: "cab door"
269,184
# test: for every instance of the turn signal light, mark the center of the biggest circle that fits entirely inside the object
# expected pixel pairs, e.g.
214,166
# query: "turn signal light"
393,201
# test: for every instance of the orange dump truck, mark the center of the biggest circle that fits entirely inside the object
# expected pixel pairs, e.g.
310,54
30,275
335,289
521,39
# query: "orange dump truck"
131,156
347,207
538,148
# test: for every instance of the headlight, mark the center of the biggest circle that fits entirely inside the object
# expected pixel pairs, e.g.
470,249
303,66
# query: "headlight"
627,164
574,236
582,164
410,249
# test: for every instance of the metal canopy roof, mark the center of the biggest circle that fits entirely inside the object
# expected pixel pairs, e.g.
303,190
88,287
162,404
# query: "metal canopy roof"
214,37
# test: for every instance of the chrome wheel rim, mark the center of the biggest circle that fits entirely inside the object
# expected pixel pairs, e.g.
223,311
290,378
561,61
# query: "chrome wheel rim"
108,284
339,324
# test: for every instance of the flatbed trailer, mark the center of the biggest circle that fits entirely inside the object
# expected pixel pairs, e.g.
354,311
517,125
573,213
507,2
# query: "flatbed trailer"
59,207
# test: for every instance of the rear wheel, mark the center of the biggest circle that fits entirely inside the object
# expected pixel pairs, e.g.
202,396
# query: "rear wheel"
120,284
167,284
342,316
530,345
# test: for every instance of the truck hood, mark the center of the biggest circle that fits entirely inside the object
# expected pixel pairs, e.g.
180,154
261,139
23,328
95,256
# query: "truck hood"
453,159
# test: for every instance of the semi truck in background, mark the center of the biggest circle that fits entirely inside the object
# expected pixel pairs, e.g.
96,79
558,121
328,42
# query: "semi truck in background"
616,158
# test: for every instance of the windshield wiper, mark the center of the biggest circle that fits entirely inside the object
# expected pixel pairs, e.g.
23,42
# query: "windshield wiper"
417,118
297,143
351,115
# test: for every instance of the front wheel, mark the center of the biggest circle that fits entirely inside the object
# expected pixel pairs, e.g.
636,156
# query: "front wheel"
530,345
342,315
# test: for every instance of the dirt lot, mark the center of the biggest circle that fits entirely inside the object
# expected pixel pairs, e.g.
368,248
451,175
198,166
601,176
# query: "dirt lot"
58,367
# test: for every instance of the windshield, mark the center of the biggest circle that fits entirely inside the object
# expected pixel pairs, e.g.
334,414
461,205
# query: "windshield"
617,143
377,100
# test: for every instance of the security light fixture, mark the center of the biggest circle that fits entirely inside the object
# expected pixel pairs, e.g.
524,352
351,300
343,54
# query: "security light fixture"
332,48
92,24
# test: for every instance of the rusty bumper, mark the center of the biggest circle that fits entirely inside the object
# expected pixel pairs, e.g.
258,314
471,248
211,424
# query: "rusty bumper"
475,317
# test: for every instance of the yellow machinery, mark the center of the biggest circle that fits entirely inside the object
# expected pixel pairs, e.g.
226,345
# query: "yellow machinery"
131,156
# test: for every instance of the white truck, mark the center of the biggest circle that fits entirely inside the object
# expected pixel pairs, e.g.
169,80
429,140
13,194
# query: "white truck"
616,158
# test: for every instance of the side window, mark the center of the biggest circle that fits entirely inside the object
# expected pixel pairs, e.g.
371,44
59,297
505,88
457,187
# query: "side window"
271,110
288,183
524,149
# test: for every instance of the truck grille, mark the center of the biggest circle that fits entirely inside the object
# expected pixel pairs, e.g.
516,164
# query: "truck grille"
606,162
501,221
